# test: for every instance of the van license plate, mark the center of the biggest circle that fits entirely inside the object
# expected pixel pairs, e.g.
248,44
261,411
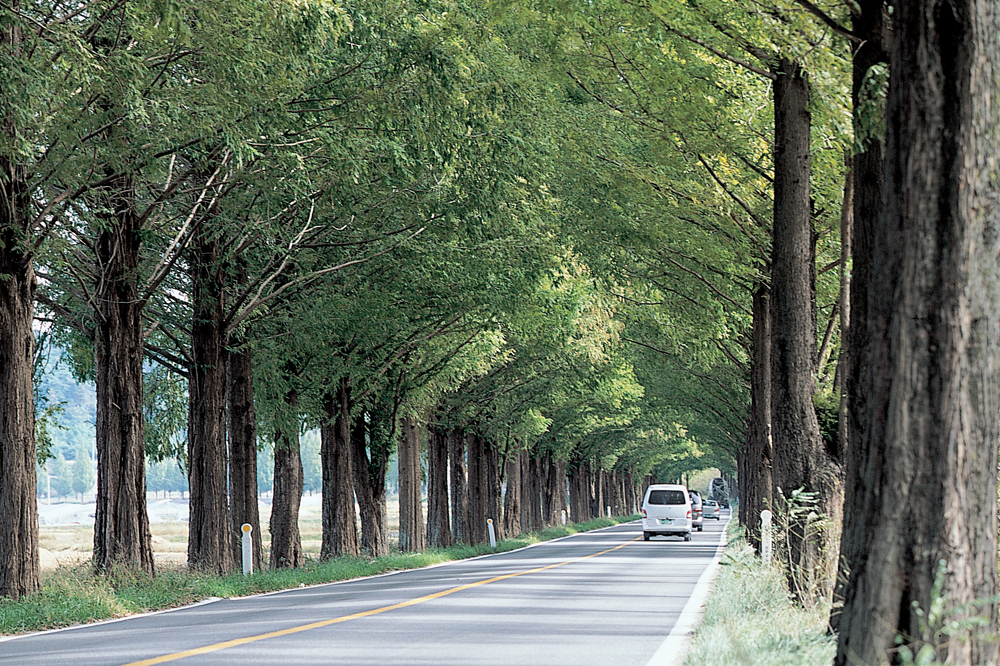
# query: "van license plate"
665,521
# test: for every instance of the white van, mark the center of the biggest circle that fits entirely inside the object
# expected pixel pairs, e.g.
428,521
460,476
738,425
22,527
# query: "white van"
666,511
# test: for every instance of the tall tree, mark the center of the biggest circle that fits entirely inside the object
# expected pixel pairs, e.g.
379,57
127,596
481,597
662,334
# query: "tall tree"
800,459
927,446
19,563
340,531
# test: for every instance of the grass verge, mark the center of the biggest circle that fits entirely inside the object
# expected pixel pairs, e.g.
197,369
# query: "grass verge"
74,595
750,618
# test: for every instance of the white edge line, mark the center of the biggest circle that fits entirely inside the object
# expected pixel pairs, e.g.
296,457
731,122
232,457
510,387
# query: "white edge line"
674,648
210,600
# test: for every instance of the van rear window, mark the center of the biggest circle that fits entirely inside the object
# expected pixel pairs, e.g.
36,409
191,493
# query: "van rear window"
666,497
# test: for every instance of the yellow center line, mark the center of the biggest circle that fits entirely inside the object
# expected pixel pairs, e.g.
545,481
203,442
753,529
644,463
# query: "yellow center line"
375,611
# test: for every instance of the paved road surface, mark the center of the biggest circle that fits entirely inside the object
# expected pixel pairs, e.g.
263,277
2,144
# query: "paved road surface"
603,597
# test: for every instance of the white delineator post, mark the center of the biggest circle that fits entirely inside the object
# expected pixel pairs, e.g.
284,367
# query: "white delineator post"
564,516
247,549
493,533
609,511
765,535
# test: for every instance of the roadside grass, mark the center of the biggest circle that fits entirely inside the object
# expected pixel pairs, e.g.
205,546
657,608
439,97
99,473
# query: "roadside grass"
73,595
750,618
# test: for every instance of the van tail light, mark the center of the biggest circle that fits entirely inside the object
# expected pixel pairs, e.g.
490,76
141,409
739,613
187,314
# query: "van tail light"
689,514
644,512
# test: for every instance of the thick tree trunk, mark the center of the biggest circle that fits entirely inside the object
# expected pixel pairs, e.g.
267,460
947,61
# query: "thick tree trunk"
19,563
493,482
513,510
438,523
928,449
560,490
755,477
800,460
477,491
459,487
596,492
550,512
533,494
243,454
868,174
340,529
286,543
209,538
581,493
411,516
121,524
369,488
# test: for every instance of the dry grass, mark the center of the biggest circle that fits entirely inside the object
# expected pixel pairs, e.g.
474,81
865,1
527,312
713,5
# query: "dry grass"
70,545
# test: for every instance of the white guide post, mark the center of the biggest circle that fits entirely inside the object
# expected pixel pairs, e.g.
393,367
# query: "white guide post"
493,533
247,549
765,535
564,516
609,511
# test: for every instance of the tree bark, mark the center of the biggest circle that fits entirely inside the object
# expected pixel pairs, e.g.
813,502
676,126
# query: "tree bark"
493,482
755,477
209,540
868,167
513,511
340,529
459,487
800,459
928,449
560,491
19,561
477,492
369,486
243,454
533,494
581,493
121,523
286,542
438,523
411,516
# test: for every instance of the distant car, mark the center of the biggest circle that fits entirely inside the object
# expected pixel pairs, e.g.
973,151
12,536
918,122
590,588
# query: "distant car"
710,509
666,511
724,502
696,513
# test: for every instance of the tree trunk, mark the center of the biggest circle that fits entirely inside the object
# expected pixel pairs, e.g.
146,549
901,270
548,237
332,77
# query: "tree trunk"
340,529
755,477
476,488
581,493
411,516
243,454
560,490
19,562
533,496
286,543
438,523
870,25
513,511
121,524
928,449
369,487
596,491
459,487
800,457
209,540
493,482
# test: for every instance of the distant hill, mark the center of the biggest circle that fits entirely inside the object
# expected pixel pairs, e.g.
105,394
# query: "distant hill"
79,403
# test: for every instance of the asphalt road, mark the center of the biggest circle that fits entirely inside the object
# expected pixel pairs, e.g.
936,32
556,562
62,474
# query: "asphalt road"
603,597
